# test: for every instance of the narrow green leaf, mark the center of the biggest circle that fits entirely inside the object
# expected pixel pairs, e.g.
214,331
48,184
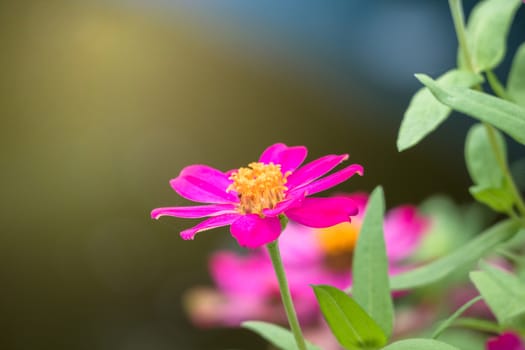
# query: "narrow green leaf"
425,113
276,335
419,344
487,30
481,161
516,81
499,199
504,115
465,255
351,325
507,305
370,266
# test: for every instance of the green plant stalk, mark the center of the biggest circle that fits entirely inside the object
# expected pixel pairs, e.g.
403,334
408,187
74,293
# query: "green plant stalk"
500,158
275,255
515,258
456,9
497,87
478,325
482,325
448,322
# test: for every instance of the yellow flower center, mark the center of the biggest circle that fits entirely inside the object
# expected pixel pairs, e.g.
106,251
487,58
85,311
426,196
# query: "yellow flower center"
259,186
338,242
339,239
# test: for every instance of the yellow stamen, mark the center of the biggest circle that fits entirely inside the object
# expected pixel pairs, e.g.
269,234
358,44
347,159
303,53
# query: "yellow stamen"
339,239
259,186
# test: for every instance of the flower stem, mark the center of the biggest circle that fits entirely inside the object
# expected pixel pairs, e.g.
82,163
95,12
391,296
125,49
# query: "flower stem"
456,8
275,255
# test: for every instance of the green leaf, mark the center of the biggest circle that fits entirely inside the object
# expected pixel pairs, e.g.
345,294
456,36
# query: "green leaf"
499,199
276,335
419,344
516,81
482,164
487,31
351,325
370,266
483,167
510,283
503,293
504,115
515,288
425,113
465,255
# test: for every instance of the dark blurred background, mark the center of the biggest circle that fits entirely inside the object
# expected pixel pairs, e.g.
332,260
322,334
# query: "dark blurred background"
102,103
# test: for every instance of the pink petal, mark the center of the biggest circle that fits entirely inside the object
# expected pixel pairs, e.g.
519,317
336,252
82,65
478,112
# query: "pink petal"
252,231
197,211
216,221
361,200
506,341
289,157
323,212
331,180
233,273
206,172
293,201
201,183
404,229
299,246
314,170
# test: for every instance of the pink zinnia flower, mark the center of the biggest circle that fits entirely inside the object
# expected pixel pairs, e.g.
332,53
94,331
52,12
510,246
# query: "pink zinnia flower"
506,341
252,199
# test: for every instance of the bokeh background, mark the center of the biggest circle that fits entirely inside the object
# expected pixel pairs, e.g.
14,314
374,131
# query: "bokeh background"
102,103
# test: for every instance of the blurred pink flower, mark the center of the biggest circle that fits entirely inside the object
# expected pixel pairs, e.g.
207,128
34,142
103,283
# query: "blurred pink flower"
506,341
246,285
251,199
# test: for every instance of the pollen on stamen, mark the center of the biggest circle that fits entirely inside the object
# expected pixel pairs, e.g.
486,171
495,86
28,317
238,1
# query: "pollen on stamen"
259,186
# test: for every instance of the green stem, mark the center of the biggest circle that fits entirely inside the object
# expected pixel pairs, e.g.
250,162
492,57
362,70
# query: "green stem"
273,249
515,258
500,158
483,326
456,9
497,86
478,325
445,324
